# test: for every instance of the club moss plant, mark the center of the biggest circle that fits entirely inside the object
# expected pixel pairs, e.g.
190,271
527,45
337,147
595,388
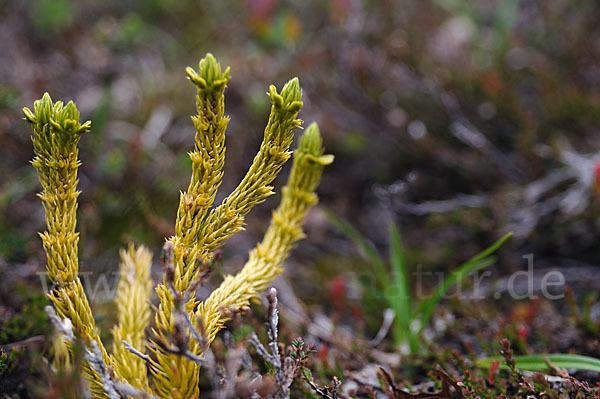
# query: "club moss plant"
200,229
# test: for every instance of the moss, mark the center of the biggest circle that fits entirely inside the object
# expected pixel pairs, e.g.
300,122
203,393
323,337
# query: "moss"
29,318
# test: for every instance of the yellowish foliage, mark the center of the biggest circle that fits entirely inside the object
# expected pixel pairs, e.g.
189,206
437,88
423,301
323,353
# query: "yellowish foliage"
199,231
56,132
133,307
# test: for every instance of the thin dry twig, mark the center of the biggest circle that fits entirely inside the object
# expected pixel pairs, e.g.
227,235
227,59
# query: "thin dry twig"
94,356
324,392
131,349
388,319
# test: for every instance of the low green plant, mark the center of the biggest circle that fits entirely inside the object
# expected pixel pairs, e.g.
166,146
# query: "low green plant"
411,314
517,379
29,321
5,360
544,362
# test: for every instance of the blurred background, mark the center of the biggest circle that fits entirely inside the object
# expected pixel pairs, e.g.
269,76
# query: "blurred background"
459,120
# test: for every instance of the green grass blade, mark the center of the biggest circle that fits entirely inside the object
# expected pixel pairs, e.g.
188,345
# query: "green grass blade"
399,296
476,263
491,249
538,363
366,248
427,306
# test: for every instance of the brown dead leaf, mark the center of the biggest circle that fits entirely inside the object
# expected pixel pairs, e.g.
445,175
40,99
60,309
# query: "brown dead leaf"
396,393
